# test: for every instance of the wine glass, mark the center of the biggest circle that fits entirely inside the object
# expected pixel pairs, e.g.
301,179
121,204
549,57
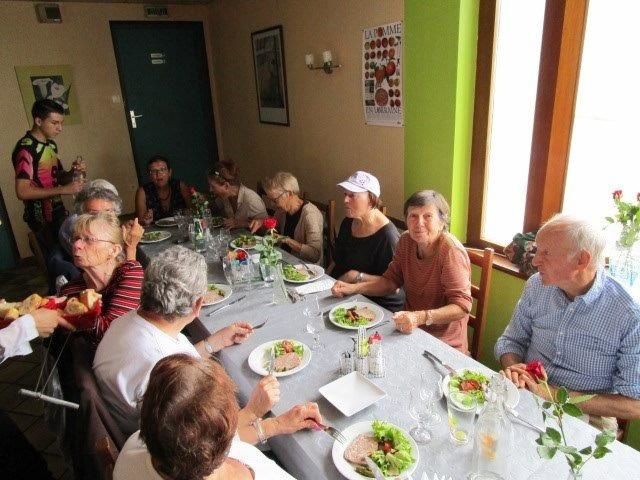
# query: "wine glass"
431,393
315,322
420,413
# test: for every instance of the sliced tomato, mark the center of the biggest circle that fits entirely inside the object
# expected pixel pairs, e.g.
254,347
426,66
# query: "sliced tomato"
468,385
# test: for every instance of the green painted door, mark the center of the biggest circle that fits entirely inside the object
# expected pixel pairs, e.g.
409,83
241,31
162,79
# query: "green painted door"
8,249
167,97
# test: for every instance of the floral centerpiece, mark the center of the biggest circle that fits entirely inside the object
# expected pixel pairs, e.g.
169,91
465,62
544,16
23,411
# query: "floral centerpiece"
268,253
199,204
554,440
629,217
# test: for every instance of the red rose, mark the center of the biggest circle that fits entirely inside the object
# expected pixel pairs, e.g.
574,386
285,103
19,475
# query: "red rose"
536,370
270,223
241,255
617,195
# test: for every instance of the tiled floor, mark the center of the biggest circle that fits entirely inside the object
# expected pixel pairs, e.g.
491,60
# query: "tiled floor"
22,372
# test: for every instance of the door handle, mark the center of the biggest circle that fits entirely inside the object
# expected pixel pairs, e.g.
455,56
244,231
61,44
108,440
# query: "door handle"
133,116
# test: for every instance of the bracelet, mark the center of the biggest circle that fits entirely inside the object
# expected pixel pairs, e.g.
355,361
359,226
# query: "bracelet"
257,424
428,318
359,277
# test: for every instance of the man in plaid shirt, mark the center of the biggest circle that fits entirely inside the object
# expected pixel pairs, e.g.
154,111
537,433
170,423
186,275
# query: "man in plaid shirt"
579,322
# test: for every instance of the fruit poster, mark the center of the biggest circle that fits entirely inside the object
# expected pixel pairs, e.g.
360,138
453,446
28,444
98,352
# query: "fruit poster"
382,92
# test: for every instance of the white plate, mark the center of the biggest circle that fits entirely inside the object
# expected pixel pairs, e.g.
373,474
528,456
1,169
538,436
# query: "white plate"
260,356
357,304
317,269
163,236
226,289
348,470
167,222
233,244
513,395
352,393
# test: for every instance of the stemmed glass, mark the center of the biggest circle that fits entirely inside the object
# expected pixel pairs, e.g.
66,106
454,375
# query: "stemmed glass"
315,322
421,413
430,394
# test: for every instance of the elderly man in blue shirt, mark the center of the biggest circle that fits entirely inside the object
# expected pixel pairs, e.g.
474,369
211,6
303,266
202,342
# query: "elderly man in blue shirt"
579,322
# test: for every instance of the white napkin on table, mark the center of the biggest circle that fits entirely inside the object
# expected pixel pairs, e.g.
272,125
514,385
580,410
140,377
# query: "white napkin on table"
315,287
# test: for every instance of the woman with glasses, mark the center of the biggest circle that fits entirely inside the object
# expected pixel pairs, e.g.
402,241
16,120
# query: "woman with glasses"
98,249
299,221
163,195
239,204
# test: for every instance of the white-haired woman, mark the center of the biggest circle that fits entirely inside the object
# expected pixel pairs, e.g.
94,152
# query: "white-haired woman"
99,251
175,283
298,220
434,269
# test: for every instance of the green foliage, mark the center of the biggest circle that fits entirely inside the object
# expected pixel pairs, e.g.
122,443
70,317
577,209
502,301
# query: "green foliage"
554,440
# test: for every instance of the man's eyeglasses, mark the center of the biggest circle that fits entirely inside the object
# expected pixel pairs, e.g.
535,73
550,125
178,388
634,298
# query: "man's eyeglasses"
274,200
87,240
158,171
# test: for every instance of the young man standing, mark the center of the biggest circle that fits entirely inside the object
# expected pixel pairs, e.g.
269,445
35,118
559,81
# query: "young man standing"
40,178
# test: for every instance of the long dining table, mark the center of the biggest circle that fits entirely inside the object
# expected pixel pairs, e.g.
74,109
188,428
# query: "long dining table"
307,454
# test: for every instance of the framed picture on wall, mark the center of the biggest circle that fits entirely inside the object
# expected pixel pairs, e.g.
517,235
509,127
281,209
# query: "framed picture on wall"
54,82
271,80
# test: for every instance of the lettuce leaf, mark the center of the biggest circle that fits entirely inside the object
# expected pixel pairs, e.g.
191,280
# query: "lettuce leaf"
392,463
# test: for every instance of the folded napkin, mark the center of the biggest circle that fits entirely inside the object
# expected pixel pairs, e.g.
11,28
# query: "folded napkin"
314,287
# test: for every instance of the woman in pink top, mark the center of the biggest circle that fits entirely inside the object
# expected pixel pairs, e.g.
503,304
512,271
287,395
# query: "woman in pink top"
434,269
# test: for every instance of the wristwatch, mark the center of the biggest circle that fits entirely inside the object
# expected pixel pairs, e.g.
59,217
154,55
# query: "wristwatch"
257,424
359,277
208,347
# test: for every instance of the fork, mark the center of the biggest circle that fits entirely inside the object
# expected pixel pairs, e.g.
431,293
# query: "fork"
333,433
260,325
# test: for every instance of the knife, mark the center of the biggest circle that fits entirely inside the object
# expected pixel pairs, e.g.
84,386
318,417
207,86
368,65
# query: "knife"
374,469
225,306
517,416
430,355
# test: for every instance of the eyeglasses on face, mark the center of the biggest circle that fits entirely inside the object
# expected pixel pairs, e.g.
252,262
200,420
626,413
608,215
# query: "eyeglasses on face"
274,200
88,240
158,171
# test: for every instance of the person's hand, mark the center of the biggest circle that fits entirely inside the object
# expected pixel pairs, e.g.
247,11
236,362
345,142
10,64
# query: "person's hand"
406,321
264,396
538,388
343,289
229,223
47,320
79,166
234,333
516,373
302,416
72,188
147,218
255,225
132,232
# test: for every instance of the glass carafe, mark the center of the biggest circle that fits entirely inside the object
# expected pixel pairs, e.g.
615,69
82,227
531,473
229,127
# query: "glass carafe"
493,435
279,290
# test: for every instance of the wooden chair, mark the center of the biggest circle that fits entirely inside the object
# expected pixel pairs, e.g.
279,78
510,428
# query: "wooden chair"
38,253
329,212
483,259
399,223
107,456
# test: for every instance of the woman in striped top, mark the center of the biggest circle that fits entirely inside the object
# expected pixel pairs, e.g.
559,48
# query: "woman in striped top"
434,269
106,254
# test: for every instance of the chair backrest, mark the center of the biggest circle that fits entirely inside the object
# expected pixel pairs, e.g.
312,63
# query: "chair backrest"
398,222
329,212
480,292
107,455
38,253
94,422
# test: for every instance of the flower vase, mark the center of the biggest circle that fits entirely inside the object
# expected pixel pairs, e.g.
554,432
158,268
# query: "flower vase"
574,475
624,264
267,271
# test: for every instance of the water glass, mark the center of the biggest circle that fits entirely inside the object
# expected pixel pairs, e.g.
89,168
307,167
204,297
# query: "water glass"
461,411
315,322
420,413
431,392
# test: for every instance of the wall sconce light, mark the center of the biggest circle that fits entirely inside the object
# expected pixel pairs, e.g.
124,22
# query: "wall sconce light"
327,62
